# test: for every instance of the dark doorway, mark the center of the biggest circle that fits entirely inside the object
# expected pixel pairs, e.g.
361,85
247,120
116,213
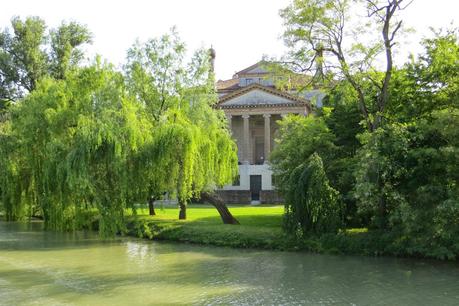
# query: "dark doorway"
255,187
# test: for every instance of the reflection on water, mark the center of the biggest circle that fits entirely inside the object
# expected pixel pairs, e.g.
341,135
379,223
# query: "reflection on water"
46,268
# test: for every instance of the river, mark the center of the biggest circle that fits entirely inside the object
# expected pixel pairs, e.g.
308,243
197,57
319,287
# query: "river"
48,268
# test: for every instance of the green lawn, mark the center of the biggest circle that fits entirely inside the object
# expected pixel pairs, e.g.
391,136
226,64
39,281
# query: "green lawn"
260,226
259,216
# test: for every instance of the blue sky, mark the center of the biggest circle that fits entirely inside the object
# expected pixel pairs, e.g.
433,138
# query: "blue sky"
241,31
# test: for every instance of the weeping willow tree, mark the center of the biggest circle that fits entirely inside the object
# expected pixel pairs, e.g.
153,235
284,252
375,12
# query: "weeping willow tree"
191,150
311,204
92,144
72,142
10,175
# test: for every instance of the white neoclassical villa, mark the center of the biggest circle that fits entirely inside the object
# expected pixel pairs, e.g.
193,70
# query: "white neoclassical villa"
253,106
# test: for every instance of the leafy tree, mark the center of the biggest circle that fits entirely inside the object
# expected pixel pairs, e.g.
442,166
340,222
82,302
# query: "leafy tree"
380,168
344,118
98,148
66,42
23,62
155,72
425,94
26,56
325,40
412,168
299,138
429,83
197,153
85,128
317,32
344,121
311,204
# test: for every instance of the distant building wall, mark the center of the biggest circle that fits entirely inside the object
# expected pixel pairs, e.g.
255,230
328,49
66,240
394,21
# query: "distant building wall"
245,171
235,196
270,197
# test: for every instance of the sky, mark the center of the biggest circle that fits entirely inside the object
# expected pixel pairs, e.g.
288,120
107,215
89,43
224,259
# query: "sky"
241,31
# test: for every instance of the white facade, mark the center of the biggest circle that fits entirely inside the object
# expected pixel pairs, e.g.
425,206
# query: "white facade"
253,106
245,171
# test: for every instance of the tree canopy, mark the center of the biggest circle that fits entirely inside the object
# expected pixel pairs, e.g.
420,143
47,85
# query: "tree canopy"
29,53
326,41
396,171
95,141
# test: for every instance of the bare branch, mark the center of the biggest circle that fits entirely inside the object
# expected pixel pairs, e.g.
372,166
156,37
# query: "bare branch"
375,10
400,8
397,27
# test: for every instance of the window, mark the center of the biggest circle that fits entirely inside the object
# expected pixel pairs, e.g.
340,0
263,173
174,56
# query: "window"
249,81
237,181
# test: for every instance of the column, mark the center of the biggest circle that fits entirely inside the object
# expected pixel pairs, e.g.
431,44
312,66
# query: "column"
229,117
246,140
267,136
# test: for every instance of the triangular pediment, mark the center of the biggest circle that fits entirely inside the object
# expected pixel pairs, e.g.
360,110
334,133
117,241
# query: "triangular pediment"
258,68
257,95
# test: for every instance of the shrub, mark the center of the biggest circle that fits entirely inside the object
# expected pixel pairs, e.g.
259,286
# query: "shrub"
311,204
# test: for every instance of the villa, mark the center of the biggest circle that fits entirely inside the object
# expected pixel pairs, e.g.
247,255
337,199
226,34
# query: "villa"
253,106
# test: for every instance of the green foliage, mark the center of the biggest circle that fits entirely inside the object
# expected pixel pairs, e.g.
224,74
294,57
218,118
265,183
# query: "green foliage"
29,54
379,170
407,182
401,179
299,138
84,140
429,83
344,121
22,61
321,42
407,179
76,157
65,43
191,149
261,228
311,204
155,73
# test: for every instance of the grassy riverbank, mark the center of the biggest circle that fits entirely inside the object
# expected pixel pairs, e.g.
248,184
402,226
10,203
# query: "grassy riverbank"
260,228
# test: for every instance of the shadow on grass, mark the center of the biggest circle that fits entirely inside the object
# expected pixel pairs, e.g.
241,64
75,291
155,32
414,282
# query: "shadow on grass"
247,220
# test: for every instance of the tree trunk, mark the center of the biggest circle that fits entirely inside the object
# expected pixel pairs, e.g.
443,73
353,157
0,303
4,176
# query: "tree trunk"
182,213
151,206
218,203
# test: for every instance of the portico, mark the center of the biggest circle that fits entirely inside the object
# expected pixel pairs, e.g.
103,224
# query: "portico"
254,132
253,112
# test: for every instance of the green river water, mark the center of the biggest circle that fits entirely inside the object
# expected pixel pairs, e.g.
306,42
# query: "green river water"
47,268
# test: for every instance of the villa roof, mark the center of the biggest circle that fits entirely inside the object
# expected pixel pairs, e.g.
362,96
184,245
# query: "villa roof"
228,84
247,70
